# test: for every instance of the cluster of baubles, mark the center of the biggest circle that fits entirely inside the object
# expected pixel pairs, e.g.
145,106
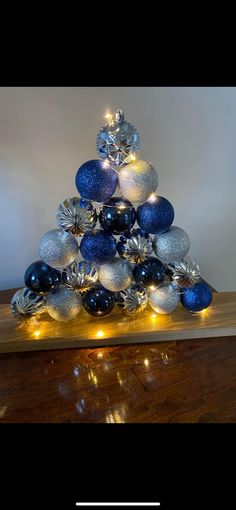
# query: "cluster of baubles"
147,264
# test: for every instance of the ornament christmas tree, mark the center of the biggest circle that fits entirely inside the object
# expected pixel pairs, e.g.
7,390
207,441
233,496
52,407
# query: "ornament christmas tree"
122,264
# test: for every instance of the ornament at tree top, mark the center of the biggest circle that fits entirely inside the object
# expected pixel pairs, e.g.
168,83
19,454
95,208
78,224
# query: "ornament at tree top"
150,272
184,273
80,276
135,246
63,304
26,304
118,140
41,278
98,247
196,298
138,180
156,215
117,215
96,180
171,246
76,215
99,301
134,299
58,248
164,299
116,275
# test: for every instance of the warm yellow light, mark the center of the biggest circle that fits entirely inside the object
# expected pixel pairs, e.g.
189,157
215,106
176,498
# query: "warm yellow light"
152,287
152,198
146,362
122,206
106,164
37,333
100,333
108,115
153,316
133,157
100,355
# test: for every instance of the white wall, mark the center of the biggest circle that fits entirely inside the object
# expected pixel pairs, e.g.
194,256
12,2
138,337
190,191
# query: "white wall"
189,134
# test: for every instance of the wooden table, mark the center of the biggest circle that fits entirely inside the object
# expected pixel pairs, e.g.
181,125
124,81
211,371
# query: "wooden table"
179,381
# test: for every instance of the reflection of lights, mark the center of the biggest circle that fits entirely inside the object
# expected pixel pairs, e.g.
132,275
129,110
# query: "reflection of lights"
119,378
133,157
100,355
108,115
2,411
154,316
114,417
146,362
202,312
100,333
152,287
152,198
122,206
37,333
92,377
106,164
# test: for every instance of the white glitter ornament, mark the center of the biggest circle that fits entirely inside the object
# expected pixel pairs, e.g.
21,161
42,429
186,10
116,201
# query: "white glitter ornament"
63,304
138,180
116,275
171,246
164,299
58,248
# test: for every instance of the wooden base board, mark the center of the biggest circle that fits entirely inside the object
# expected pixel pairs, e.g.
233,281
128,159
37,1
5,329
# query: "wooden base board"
86,331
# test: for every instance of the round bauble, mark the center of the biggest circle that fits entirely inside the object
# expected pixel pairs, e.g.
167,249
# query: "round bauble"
63,304
98,247
58,248
99,301
118,140
196,298
156,215
116,275
138,180
135,245
171,246
117,215
149,273
26,304
133,299
184,273
80,276
164,299
76,215
96,180
41,278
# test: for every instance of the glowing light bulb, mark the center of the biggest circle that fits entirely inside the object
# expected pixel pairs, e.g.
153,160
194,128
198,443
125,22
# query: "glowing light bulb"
106,164
133,157
37,333
100,333
146,362
152,287
152,198
100,355
108,115
153,316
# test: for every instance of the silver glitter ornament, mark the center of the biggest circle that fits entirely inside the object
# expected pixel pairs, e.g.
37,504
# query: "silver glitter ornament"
138,180
185,273
58,248
134,299
63,304
116,275
76,215
80,276
164,299
118,140
135,246
26,304
171,246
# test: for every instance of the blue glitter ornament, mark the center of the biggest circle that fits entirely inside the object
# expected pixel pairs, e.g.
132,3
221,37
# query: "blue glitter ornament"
196,298
117,215
156,215
96,180
149,273
41,278
99,301
98,247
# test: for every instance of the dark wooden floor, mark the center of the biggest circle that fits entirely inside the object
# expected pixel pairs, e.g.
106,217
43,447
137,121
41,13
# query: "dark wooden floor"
184,381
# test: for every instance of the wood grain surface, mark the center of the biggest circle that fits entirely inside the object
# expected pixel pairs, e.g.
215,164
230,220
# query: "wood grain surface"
179,381
118,328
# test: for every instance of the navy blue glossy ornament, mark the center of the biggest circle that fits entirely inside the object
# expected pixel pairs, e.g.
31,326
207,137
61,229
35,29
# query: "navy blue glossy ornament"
196,298
99,301
41,278
96,180
149,273
117,215
156,215
98,247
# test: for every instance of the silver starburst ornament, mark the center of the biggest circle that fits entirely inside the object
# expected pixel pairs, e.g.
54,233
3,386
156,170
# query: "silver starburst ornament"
26,304
76,215
80,276
118,140
185,273
135,246
133,299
